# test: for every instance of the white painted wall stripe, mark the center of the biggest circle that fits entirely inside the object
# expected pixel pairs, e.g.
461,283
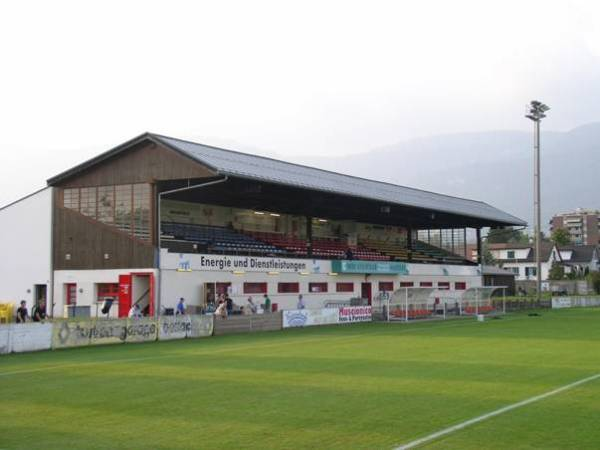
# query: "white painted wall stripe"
505,409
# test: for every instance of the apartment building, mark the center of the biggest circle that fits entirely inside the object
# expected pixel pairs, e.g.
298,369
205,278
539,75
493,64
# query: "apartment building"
583,225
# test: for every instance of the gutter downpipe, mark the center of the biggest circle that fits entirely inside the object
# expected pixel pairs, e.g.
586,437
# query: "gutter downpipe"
160,194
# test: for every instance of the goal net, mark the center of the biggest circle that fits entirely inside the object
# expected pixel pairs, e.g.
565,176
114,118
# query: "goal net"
483,300
412,303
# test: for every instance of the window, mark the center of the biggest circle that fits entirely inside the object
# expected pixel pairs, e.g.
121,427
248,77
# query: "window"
406,284
108,290
443,285
71,199
106,203
386,286
344,287
426,284
510,254
530,271
460,286
71,291
515,270
87,201
317,287
125,206
141,211
255,288
287,288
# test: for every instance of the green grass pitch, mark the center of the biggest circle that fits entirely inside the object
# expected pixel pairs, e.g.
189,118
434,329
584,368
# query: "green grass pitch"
365,386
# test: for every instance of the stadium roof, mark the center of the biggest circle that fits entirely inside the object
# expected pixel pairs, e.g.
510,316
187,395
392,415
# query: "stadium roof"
260,168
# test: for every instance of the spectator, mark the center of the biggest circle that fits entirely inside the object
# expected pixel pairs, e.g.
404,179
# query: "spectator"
300,302
251,306
267,303
135,312
221,310
39,312
229,303
22,312
180,311
349,254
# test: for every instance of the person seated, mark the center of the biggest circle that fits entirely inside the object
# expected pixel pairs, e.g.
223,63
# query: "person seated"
221,310
252,308
349,254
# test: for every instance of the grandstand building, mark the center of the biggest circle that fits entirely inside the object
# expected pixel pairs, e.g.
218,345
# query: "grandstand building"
158,218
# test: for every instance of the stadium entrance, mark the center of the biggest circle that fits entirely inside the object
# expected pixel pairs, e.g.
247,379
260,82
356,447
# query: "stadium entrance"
136,289
365,291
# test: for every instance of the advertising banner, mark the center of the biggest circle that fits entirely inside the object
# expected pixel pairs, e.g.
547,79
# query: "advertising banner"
95,332
309,317
190,262
181,327
353,314
561,302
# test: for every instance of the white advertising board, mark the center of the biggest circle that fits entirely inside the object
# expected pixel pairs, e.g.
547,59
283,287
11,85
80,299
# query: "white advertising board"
353,314
561,302
189,262
326,316
310,317
181,327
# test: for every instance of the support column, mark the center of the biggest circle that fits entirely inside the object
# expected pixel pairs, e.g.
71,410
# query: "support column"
309,237
479,251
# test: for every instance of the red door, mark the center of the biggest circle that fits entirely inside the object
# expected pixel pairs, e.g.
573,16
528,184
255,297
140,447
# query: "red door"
365,291
71,294
124,295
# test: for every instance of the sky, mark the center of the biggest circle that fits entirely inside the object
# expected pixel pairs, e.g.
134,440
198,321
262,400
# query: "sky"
286,79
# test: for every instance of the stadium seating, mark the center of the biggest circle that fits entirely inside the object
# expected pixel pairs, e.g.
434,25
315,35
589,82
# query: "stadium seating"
321,247
214,239
421,252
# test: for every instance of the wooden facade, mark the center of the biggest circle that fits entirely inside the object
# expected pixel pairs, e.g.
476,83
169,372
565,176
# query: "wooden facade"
80,242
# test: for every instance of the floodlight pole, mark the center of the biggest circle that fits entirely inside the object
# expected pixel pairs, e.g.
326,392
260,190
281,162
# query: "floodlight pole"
536,112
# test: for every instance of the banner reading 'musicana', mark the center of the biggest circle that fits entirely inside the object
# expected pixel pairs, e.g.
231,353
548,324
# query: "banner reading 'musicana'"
228,263
326,316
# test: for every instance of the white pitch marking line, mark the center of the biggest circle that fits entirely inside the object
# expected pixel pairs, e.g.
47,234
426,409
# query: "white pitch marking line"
497,412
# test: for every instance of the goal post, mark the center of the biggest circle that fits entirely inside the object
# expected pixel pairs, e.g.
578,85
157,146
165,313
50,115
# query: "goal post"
483,300
412,303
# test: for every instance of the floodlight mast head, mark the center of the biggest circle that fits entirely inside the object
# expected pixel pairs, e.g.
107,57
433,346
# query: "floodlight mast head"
535,111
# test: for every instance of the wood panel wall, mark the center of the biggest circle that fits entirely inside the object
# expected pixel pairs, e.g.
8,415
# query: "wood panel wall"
145,162
86,240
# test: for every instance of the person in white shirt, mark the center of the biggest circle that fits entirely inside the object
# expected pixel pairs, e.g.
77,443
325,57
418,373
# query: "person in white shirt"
300,302
221,310
134,312
252,306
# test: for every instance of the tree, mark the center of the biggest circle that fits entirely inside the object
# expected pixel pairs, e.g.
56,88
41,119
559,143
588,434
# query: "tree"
560,237
594,280
487,258
507,235
557,271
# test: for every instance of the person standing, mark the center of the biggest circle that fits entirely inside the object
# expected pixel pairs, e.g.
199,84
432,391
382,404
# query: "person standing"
22,312
267,303
39,312
180,311
229,303
301,304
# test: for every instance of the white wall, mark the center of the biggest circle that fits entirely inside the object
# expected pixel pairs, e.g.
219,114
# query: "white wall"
87,281
183,275
26,247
